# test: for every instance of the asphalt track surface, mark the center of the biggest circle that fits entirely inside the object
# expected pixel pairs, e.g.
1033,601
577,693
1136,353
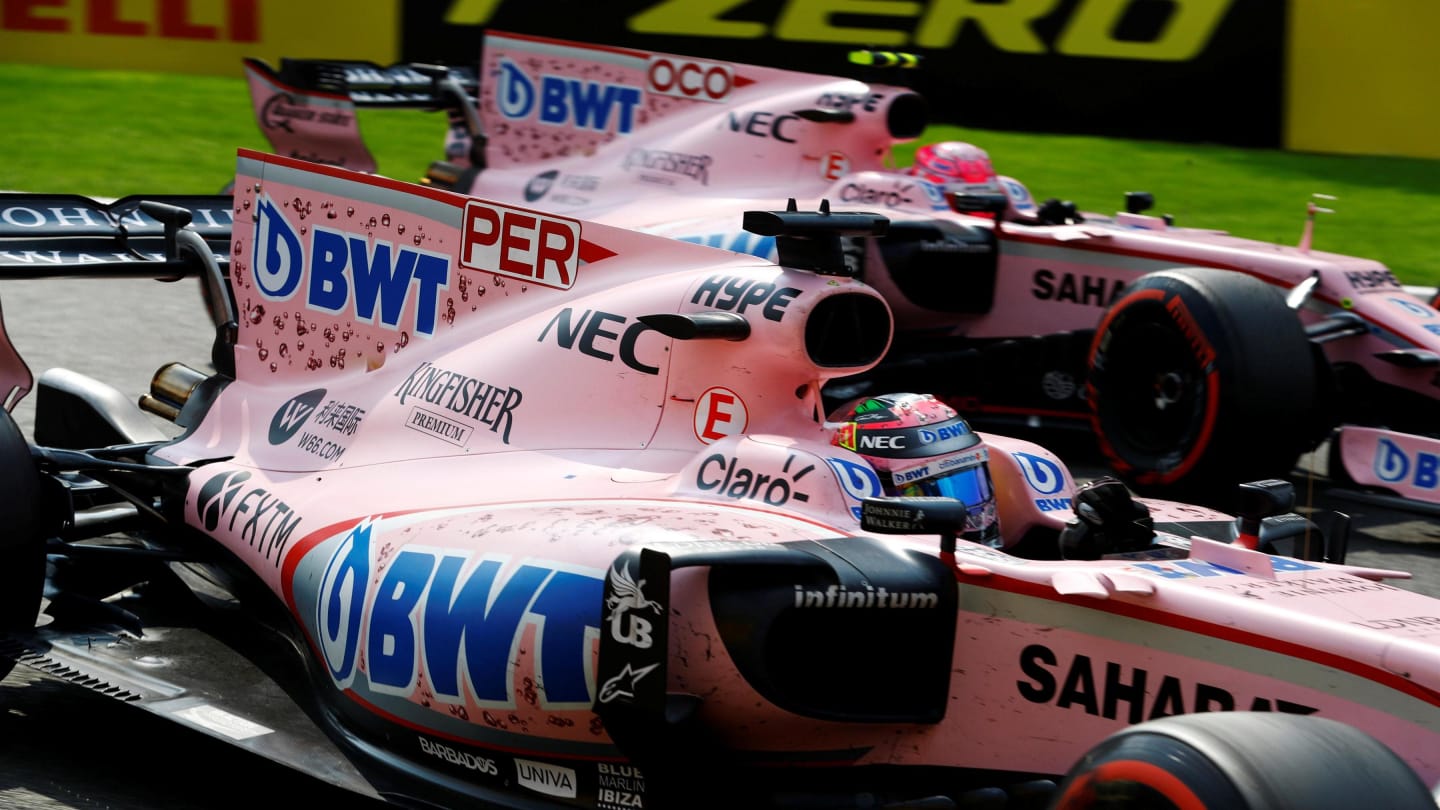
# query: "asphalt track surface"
66,747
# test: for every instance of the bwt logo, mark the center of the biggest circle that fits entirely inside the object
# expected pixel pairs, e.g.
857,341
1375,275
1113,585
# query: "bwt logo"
859,481
1043,475
700,81
1394,465
929,436
520,244
454,621
564,102
347,270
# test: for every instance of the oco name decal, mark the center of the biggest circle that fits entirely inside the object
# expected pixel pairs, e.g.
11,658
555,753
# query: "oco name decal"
456,620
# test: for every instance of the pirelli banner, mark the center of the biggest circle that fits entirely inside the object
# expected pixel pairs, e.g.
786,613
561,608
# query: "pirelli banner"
1315,75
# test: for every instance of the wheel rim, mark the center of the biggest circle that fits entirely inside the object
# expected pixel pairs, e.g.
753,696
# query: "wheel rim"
1160,390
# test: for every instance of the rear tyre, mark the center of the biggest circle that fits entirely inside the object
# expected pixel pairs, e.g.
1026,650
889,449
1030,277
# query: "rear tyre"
1242,760
1201,379
22,548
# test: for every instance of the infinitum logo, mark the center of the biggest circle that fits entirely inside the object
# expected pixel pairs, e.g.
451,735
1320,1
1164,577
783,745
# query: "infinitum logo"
839,596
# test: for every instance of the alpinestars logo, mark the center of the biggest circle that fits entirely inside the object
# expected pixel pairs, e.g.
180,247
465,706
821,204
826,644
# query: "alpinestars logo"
623,684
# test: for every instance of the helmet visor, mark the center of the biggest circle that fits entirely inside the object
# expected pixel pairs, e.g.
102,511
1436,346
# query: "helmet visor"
972,487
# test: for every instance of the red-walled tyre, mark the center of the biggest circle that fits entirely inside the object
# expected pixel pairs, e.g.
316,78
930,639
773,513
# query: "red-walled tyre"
1241,761
22,548
1201,379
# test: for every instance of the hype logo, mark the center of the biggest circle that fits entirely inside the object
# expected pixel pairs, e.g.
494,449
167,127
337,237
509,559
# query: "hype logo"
1043,475
341,602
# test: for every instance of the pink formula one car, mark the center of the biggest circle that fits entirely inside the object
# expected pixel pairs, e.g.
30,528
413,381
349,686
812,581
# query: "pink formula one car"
482,506
1197,358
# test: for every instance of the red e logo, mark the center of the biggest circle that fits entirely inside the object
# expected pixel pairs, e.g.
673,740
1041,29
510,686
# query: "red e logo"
834,165
719,413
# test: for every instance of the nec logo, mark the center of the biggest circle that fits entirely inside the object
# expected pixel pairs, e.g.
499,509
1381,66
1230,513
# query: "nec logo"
870,441
565,102
700,81
762,125
520,244
347,270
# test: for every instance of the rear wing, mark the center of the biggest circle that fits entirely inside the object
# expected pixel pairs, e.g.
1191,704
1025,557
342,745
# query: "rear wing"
160,236
306,108
56,235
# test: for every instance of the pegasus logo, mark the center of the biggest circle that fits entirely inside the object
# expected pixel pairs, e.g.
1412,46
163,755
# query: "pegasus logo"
627,597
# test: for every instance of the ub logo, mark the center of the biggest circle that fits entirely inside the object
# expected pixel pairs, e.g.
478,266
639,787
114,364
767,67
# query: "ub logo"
627,598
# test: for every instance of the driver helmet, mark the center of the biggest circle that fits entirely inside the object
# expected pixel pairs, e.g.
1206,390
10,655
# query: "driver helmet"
954,164
921,447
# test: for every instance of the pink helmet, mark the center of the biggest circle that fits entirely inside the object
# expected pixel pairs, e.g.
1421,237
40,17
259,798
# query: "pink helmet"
921,446
953,162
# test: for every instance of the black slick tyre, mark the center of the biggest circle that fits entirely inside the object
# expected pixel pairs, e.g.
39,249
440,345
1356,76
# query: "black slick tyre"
1244,761
1200,379
22,548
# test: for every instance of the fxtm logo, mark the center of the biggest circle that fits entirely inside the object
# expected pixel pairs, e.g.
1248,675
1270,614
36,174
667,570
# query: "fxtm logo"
1394,465
564,102
257,518
347,270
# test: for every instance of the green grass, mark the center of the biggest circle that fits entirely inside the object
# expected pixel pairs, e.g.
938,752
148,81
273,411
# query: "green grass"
110,133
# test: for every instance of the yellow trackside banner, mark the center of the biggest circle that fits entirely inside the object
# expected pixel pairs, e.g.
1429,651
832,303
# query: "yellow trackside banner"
1362,77
194,36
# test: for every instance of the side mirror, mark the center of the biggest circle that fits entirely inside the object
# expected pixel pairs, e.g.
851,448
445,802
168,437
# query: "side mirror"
1138,202
918,515
978,203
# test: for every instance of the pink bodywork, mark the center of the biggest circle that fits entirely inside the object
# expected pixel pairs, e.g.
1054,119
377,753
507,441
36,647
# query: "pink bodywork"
436,392
680,146
689,165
